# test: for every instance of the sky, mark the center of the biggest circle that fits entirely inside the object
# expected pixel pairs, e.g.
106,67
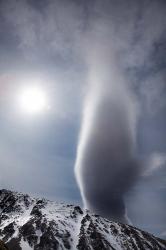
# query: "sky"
100,140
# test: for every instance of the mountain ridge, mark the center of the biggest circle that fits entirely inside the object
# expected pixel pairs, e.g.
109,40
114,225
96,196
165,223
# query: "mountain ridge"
28,223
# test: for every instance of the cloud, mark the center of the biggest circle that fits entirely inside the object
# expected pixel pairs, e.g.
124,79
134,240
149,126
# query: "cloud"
121,42
153,92
49,31
106,151
154,162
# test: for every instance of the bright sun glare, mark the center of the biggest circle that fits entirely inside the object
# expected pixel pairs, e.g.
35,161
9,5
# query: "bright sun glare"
32,100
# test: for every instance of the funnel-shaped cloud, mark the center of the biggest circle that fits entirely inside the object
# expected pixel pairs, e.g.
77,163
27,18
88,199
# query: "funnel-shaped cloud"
106,165
121,42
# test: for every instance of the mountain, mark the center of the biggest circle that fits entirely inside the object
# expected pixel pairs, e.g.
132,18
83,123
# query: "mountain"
30,223
3,246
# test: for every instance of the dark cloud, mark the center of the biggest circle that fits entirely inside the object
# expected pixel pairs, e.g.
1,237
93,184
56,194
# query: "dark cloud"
108,167
108,164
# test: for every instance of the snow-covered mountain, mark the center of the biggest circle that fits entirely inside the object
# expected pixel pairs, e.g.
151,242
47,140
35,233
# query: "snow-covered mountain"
30,223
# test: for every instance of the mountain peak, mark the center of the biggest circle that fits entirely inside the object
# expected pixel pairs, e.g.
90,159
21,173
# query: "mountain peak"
31,223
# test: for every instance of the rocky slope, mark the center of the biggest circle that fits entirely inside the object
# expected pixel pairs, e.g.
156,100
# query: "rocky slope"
28,223
3,246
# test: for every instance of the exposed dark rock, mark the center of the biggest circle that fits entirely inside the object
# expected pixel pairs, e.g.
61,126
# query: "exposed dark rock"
3,246
14,244
8,231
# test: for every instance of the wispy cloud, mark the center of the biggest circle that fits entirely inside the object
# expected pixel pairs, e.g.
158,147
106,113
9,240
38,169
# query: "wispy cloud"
154,162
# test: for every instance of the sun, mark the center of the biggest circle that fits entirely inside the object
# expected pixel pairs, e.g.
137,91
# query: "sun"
32,100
